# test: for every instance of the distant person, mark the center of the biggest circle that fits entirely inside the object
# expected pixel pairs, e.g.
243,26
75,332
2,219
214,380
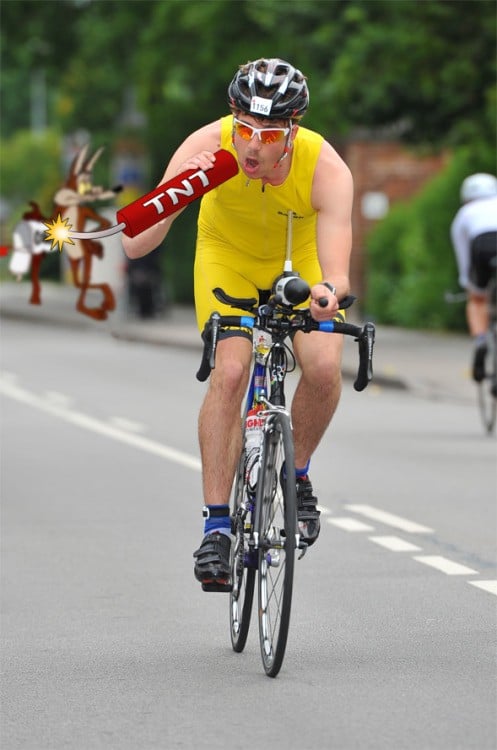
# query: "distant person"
474,237
146,293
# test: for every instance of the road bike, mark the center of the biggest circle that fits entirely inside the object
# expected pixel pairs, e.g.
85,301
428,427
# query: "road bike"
486,388
264,500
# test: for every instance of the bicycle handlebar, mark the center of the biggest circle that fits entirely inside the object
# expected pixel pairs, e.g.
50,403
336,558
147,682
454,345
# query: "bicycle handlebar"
276,317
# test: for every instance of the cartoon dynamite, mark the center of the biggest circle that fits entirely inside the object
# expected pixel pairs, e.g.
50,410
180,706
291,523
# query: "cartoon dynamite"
152,208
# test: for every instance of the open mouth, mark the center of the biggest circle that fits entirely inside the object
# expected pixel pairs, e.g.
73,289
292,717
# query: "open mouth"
251,165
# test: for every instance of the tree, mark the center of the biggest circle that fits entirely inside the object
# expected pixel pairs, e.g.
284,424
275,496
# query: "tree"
424,70
427,67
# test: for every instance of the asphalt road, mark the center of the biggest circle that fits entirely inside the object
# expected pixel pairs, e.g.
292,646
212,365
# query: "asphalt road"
107,639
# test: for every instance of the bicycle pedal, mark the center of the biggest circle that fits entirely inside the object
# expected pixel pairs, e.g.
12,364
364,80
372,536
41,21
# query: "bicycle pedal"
221,586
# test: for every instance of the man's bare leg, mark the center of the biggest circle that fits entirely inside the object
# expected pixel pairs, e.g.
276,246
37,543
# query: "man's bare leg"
219,427
220,433
477,314
318,392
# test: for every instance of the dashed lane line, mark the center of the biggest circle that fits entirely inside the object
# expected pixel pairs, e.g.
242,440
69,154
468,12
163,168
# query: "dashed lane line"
127,424
375,514
11,390
395,544
57,406
490,586
349,524
55,397
447,566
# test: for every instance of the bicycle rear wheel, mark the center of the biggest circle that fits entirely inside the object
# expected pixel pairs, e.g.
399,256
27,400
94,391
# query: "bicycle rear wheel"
487,389
243,564
277,503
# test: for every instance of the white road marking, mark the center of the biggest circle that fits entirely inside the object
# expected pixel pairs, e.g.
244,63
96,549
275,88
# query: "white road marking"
350,524
94,425
127,424
61,399
490,586
9,377
395,543
446,566
55,404
389,519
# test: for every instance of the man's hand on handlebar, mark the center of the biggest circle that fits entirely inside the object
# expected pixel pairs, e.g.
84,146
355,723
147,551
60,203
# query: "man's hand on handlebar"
324,305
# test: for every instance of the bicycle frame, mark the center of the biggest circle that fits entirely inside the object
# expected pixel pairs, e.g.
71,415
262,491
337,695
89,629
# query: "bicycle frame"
268,370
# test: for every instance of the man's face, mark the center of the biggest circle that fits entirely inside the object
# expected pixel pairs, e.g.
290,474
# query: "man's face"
258,153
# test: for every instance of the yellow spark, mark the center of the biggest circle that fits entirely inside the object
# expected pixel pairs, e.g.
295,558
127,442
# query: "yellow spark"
58,231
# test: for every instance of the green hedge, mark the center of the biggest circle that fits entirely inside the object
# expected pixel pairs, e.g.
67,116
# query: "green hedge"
409,256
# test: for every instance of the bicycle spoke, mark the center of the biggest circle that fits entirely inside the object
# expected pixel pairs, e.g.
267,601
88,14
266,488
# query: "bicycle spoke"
243,568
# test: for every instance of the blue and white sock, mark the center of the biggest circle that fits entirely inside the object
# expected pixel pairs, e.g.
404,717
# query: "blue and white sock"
220,524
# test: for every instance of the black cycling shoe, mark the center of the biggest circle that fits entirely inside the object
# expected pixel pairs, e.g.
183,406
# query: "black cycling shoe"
212,562
307,512
479,363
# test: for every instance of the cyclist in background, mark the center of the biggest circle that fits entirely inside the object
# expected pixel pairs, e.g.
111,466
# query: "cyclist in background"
240,247
474,237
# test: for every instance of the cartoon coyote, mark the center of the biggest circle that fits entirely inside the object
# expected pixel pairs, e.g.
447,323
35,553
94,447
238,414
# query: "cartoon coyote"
72,202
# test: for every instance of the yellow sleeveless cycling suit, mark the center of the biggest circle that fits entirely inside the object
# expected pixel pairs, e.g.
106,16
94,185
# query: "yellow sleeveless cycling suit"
242,229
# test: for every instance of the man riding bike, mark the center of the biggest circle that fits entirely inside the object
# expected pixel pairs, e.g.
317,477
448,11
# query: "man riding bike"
474,237
240,247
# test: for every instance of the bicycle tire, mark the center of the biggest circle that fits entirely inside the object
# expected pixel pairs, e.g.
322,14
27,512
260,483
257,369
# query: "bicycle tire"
243,567
277,522
487,388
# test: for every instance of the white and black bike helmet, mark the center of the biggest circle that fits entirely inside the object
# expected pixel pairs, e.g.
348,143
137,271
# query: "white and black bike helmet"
480,185
270,88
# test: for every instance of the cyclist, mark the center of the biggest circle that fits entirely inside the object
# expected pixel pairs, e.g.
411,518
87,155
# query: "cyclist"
240,247
474,237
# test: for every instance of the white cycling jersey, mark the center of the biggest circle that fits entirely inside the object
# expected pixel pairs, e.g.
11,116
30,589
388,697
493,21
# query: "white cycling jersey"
472,219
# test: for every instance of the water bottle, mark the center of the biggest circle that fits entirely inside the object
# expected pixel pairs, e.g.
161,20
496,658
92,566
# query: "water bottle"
262,344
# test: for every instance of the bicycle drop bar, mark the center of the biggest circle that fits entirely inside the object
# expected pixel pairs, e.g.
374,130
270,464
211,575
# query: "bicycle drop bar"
365,338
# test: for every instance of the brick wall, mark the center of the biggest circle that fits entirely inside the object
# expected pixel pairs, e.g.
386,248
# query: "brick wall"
386,168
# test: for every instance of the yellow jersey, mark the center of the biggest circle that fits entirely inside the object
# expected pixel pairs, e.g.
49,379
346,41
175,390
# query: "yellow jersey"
253,221
242,229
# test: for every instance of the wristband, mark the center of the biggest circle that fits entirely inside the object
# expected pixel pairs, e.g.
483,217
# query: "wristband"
330,287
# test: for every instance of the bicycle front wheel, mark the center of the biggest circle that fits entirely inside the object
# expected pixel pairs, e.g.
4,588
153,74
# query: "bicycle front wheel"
277,515
243,563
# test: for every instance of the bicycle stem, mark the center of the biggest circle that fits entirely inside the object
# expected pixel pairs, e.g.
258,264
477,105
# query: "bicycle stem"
289,241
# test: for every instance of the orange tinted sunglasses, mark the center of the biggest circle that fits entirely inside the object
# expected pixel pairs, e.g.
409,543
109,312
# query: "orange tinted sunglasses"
265,135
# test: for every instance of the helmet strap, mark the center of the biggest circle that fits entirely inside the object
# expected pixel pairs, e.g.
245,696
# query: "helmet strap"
288,147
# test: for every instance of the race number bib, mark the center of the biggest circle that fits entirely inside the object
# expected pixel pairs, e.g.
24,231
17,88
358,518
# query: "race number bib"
261,106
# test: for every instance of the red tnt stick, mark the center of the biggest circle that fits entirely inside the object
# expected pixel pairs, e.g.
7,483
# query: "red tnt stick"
173,195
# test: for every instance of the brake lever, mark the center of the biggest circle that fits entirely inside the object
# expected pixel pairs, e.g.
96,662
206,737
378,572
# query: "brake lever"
210,337
366,343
